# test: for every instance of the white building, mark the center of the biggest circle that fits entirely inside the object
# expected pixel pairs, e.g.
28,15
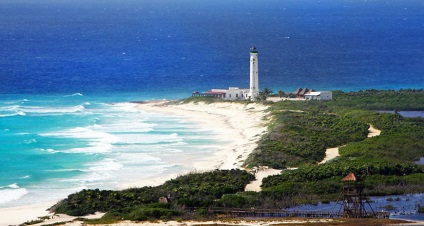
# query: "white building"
232,93
235,93
320,95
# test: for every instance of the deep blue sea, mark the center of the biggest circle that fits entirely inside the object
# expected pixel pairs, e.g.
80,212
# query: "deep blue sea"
68,69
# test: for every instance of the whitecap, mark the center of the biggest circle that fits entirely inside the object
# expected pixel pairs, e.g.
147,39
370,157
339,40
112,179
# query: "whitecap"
19,113
15,186
9,195
25,177
149,138
94,148
99,142
73,95
84,133
7,115
127,126
65,170
106,165
49,150
53,110
12,108
30,141
125,107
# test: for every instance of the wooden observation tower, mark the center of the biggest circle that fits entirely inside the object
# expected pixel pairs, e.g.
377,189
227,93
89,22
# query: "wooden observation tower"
353,198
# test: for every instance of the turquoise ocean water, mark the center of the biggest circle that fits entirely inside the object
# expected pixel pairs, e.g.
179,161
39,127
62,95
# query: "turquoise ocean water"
69,68
52,146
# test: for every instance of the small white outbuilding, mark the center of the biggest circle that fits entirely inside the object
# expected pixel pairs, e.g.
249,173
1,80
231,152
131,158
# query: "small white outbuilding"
320,95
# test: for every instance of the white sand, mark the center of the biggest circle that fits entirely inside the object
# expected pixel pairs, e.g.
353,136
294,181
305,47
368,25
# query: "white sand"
260,174
330,154
19,215
372,132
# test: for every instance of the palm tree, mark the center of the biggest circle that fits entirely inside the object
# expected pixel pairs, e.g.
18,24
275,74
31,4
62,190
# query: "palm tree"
263,95
281,93
267,91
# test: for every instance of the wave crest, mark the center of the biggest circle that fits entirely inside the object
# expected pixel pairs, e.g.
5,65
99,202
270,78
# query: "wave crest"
12,193
75,94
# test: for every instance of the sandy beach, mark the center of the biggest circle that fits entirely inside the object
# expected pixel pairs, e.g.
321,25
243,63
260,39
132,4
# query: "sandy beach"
240,125
18,215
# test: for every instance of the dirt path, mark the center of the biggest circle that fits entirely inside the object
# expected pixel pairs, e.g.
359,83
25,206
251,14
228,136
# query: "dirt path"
372,132
331,153
260,174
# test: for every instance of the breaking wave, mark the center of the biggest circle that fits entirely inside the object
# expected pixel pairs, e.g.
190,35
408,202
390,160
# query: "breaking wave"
73,95
11,193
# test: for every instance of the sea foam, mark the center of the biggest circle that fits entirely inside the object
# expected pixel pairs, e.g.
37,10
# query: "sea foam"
73,95
12,193
52,110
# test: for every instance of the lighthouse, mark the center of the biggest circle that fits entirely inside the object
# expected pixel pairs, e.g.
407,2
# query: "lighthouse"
235,93
254,83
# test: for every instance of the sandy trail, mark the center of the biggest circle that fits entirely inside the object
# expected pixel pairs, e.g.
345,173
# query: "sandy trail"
260,174
332,153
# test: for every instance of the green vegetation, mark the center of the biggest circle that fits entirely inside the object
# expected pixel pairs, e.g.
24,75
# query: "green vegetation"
33,222
298,137
302,137
263,95
402,100
192,190
385,163
406,100
204,99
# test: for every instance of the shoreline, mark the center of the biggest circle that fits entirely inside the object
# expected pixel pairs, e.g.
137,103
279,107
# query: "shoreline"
243,123
238,125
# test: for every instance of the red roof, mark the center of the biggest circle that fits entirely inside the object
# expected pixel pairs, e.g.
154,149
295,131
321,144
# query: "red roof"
349,177
214,93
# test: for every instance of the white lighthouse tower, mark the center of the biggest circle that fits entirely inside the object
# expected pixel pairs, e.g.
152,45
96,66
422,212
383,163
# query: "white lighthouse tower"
254,83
